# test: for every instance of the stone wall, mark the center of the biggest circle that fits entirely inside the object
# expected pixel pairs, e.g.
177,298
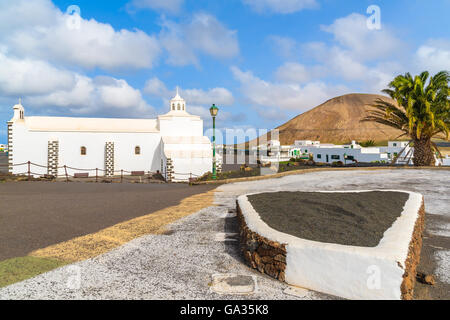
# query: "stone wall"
169,170
10,147
413,259
109,159
260,253
52,158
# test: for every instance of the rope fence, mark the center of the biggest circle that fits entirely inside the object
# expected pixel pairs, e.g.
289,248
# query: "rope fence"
122,175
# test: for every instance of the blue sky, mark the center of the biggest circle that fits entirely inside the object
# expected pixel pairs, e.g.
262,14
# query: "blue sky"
262,61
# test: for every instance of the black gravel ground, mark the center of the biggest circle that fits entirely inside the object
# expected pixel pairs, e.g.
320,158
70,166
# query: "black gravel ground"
35,215
357,219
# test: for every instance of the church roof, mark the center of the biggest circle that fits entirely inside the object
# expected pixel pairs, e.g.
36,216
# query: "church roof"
177,97
91,124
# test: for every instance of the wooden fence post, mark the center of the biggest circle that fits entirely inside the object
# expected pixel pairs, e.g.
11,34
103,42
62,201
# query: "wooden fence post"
65,170
121,175
96,174
29,170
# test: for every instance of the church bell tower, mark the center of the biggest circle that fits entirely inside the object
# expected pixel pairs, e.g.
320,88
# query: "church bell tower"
177,104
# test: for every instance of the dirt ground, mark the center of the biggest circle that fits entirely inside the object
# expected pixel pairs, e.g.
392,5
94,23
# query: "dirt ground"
36,215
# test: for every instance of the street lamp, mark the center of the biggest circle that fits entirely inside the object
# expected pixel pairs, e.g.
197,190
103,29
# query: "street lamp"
214,110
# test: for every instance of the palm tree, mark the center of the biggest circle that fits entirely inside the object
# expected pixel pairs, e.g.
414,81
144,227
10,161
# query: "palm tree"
422,111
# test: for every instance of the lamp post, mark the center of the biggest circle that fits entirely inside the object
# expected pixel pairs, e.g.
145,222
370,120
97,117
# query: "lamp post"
214,110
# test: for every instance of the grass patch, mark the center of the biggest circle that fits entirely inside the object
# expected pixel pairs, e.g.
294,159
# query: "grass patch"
22,268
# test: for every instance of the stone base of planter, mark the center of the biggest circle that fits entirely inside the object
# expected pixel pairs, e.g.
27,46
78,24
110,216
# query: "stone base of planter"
260,253
413,260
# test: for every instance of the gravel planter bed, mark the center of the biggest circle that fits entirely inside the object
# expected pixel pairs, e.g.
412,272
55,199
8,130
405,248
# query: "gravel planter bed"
382,264
355,219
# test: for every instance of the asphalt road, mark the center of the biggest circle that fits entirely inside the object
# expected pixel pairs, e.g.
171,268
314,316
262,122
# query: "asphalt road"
34,215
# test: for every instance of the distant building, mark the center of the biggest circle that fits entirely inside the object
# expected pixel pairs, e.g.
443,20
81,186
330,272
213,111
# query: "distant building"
172,143
446,161
329,153
3,148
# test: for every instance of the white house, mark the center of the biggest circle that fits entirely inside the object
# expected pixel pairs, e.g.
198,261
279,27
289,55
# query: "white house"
172,144
446,161
329,153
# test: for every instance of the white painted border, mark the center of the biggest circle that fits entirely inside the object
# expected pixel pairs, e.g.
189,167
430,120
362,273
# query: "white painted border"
345,270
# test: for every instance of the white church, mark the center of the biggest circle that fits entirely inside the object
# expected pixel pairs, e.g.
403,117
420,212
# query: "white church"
172,144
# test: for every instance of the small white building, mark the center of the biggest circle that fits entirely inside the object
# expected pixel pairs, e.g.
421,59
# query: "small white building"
304,143
172,144
446,161
329,153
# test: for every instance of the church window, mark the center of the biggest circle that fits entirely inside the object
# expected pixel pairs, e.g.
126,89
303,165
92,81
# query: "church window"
173,106
179,108
137,150
83,151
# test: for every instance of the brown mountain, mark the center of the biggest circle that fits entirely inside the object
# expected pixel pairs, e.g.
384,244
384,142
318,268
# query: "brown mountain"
338,121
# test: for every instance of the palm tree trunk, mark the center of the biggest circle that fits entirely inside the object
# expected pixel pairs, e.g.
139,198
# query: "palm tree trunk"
423,153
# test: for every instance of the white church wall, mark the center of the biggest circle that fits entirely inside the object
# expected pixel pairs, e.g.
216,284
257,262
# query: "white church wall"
70,144
186,166
124,151
180,126
29,147
33,146
125,157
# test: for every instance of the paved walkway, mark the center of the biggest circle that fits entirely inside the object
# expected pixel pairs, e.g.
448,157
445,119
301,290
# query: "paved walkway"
180,264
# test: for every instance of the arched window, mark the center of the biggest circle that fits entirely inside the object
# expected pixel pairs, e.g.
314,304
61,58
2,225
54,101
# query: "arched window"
173,106
179,107
83,151
137,150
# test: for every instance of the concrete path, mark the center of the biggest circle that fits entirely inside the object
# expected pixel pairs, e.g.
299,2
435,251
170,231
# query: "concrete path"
181,263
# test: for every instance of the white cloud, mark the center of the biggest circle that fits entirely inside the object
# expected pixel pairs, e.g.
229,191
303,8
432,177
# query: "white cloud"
208,35
280,6
40,30
203,34
156,87
358,55
293,72
170,6
101,95
433,56
20,77
219,96
285,47
282,95
59,90
352,33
